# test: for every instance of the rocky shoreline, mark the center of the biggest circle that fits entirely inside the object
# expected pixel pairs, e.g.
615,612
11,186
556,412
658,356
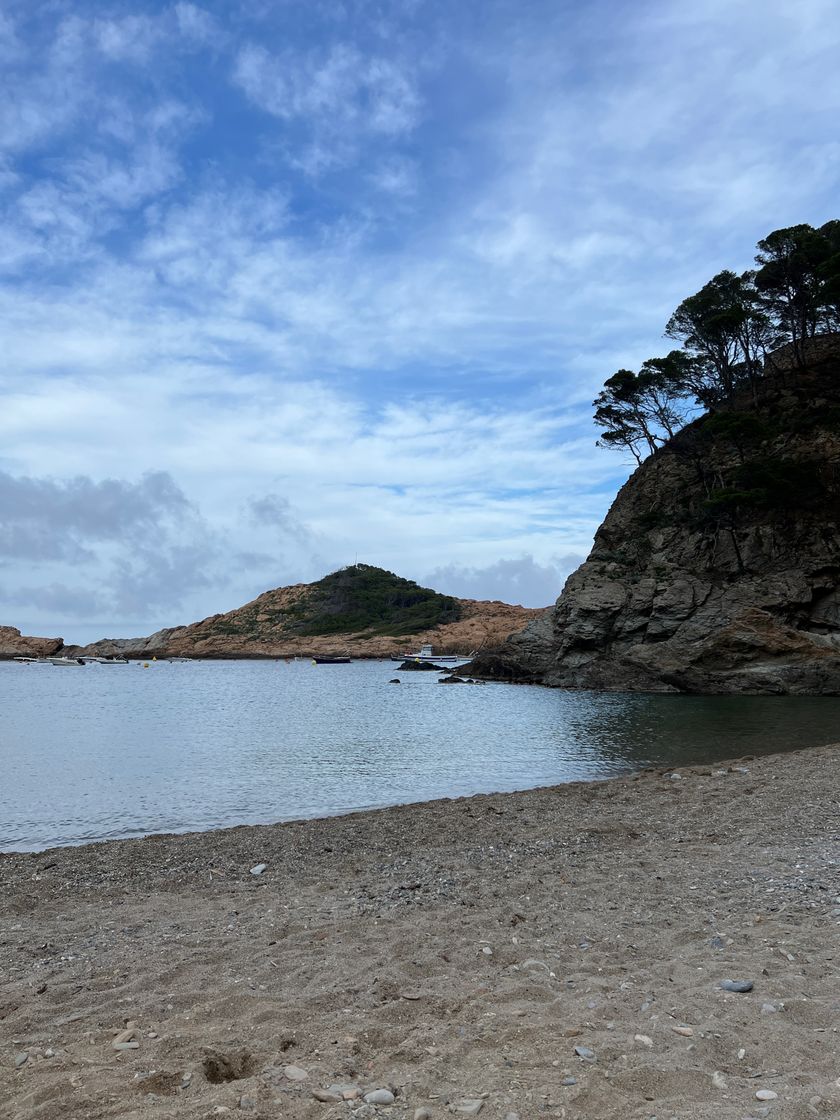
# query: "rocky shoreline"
555,952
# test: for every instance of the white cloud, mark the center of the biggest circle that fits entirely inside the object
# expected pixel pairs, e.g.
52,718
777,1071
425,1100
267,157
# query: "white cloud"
521,580
379,275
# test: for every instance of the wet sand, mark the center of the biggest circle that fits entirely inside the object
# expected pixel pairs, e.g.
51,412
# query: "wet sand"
450,952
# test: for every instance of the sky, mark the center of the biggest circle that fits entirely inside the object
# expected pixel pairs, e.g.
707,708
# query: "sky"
288,285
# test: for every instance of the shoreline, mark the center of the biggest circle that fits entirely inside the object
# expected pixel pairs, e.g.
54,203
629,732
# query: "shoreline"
444,950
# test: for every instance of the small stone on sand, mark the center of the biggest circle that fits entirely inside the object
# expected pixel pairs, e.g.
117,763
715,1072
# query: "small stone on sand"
326,1096
736,985
471,1106
295,1073
379,1096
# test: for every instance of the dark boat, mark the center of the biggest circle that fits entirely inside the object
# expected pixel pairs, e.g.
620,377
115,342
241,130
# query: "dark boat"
331,660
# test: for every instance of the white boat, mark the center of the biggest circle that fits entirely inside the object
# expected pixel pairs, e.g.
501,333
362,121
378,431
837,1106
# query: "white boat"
74,662
105,660
29,660
426,655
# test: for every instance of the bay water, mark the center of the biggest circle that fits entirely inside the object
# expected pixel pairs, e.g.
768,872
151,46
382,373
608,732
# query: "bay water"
101,752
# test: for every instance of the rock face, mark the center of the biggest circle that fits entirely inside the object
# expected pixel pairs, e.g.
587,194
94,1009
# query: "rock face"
717,569
15,644
364,613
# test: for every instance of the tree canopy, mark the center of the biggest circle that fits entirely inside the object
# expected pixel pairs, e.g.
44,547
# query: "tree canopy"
726,330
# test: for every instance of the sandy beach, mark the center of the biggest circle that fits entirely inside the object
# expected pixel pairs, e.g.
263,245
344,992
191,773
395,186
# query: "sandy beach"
552,953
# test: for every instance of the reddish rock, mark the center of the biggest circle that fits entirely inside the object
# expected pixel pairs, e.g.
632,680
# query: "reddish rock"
15,644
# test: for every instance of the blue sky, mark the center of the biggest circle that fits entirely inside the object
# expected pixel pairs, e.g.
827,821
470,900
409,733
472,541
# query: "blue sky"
287,284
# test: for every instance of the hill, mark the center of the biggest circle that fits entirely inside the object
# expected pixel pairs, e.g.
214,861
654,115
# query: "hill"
362,610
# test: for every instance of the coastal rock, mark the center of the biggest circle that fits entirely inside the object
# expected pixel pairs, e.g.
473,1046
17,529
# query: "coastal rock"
15,644
300,621
681,595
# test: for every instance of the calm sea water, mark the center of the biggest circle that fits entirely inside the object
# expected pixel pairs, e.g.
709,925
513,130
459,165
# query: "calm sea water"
115,751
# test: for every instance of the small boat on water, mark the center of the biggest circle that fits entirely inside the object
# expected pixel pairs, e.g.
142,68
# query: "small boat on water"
426,654
331,660
31,660
72,662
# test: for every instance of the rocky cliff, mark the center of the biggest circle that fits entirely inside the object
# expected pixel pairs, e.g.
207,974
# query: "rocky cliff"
362,611
717,568
15,644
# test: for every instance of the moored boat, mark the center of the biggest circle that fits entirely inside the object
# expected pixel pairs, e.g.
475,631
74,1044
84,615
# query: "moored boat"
331,660
426,654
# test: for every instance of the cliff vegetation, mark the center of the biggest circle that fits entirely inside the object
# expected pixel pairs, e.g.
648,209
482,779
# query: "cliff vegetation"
717,568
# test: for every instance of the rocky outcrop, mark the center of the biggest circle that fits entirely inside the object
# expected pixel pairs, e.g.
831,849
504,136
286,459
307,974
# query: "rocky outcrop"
717,569
276,624
155,645
15,644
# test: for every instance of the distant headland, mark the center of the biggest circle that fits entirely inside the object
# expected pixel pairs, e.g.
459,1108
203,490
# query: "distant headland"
361,610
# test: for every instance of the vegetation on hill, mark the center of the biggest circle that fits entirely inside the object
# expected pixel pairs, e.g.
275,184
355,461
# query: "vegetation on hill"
359,599
364,598
730,331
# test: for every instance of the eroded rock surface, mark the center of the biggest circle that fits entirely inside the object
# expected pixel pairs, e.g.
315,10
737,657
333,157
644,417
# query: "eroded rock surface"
717,569
15,644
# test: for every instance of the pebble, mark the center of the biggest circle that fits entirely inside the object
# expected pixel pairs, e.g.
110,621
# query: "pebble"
687,1032
124,1036
49,1053
768,1008
422,1113
379,1096
471,1106
511,1116
766,1095
21,1059
585,1053
645,1039
295,1073
488,952
569,1081
736,985
718,1080
258,868
248,1104
126,1045
326,1096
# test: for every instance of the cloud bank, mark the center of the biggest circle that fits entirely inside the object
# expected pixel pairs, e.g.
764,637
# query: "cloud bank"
278,292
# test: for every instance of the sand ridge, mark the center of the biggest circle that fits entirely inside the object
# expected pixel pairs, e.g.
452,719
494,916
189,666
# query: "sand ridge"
450,952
